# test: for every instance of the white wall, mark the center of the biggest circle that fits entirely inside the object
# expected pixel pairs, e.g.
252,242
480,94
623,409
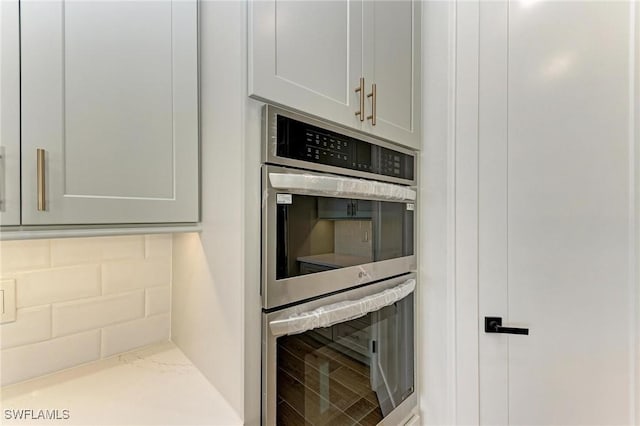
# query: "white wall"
436,318
216,305
83,299
216,274
636,161
207,323
252,301
635,165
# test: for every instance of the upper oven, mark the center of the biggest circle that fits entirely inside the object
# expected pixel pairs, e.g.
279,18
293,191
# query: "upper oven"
327,227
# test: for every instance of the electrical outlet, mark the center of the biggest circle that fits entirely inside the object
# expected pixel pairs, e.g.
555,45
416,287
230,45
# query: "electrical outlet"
8,305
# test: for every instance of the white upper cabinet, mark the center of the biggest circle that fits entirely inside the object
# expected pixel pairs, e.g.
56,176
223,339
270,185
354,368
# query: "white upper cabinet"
307,55
9,113
392,62
110,101
313,55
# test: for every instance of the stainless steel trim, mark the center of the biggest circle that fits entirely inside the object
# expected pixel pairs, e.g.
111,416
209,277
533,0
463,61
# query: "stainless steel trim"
269,349
347,310
360,90
292,180
400,414
373,97
279,292
269,146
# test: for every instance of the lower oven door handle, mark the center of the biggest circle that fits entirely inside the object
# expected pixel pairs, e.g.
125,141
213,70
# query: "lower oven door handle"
336,313
340,186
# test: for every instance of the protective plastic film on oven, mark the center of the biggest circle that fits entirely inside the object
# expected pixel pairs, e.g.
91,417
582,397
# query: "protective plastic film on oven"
326,222
354,371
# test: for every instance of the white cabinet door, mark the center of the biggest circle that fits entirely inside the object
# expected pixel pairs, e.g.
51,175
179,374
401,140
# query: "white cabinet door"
557,211
307,55
9,113
310,56
109,92
391,59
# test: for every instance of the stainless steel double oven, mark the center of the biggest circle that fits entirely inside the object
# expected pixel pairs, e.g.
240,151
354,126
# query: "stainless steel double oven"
338,255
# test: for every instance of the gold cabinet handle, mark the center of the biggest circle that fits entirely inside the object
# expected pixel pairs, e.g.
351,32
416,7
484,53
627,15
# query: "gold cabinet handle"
372,95
360,90
41,180
4,180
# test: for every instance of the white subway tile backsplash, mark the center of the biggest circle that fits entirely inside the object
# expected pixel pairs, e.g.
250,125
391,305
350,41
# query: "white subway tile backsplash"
29,361
57,284
64,307
132,274
31,325
157,300
130,247
130,335
72,251
158,245
21,255
68,251
72,317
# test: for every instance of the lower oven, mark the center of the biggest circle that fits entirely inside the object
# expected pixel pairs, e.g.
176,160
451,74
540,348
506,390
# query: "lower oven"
344,359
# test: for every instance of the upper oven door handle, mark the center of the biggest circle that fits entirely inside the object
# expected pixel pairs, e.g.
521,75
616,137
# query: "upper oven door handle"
340,186
336,313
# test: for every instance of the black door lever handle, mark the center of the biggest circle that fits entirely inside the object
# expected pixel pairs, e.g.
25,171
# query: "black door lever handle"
494,325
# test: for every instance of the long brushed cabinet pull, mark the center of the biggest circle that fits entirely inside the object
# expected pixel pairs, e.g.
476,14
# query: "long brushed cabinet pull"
360,90
41,180
3,163
372,95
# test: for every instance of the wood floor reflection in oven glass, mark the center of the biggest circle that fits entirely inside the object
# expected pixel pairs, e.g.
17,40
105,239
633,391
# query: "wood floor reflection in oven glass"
339,375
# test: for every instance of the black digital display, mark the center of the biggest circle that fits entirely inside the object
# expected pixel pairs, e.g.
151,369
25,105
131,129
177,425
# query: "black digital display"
303,141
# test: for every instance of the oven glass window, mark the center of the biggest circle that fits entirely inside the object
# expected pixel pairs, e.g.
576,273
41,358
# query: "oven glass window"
353,373
316,234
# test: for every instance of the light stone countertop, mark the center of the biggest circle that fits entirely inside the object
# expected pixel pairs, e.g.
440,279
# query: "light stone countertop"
334,260
156,385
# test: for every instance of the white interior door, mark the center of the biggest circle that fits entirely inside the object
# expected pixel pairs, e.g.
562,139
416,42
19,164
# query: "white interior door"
557,188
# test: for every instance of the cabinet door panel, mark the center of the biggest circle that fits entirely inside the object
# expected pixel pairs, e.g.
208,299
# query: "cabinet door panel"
9,113
363,209
110,92
334,208
114,114
392,61
307,56
301,51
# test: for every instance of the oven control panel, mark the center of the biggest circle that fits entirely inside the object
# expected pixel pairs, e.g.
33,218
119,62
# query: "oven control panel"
328,149
303,141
